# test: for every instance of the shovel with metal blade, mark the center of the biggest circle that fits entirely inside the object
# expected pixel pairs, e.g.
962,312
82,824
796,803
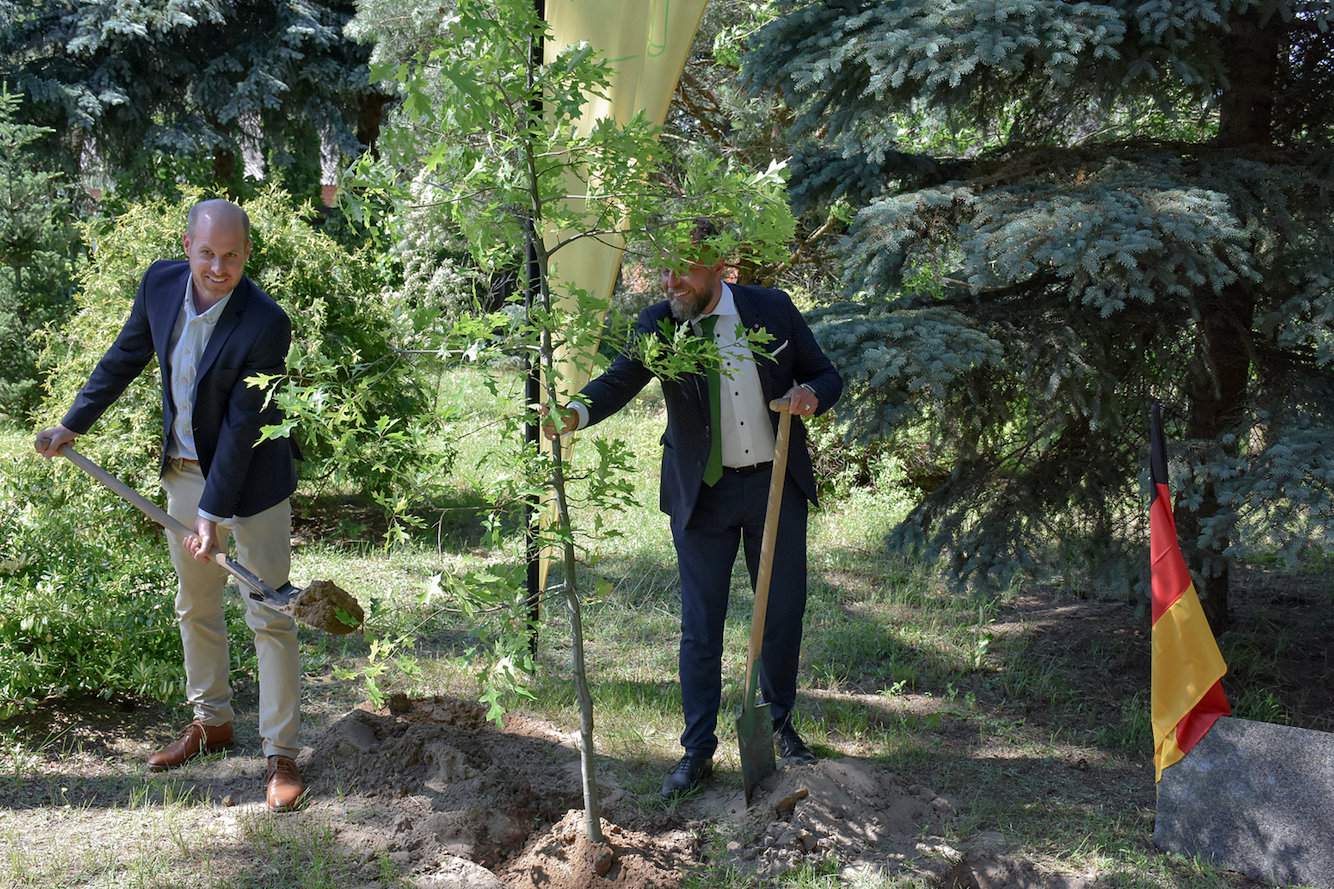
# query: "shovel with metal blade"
322,605
754,726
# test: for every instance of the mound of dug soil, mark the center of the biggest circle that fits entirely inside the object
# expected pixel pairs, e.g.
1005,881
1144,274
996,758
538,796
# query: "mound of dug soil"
456,802
563,858
852,808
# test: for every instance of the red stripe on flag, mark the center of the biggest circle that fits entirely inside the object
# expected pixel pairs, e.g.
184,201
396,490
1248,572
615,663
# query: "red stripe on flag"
1167,566
1202,717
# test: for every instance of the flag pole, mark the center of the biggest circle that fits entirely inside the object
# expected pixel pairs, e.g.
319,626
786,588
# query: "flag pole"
532,380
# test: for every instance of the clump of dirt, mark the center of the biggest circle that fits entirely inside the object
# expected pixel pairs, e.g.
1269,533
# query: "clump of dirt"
562,857
851,808
326,606
433,786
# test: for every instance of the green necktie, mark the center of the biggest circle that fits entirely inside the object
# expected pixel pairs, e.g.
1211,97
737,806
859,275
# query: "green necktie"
713,470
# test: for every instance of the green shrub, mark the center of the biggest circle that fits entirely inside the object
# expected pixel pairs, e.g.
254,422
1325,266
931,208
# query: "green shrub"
35,244
24,310
86,592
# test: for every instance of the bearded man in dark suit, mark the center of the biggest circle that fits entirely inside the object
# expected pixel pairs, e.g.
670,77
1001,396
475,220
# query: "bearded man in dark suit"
717,458
211,328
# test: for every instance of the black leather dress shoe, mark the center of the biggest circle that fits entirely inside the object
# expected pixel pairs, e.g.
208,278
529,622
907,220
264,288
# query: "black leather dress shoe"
791,749
687,774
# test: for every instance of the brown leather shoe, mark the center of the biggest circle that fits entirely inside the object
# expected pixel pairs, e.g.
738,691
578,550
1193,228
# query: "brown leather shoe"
197,739
282,784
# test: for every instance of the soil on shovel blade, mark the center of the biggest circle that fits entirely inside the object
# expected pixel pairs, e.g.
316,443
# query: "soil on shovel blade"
456,802
326,606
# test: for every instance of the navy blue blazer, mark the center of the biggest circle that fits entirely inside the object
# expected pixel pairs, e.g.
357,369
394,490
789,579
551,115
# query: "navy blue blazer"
252,336
685,445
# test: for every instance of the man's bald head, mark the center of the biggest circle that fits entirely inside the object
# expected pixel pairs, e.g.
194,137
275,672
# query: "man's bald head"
217,243
219,212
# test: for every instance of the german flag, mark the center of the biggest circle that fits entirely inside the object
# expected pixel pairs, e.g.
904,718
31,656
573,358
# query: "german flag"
1187,692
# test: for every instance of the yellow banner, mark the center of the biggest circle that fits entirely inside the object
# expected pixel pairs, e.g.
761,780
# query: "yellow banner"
646,43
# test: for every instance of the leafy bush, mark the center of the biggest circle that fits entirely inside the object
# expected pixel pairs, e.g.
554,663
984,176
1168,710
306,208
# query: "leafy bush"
86,587
86,592
34,256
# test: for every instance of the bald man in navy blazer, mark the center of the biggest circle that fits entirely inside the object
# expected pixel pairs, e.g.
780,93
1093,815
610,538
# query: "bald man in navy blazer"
713,508
211,328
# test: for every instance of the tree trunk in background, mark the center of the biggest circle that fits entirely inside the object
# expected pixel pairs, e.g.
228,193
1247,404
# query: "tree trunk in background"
1216,390
1246,108
746,272
1220,373
224,166
370,114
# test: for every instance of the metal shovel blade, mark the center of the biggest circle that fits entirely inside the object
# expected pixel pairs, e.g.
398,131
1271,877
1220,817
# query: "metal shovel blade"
284,596
755,736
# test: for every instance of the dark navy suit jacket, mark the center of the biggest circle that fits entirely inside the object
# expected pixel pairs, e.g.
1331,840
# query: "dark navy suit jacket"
685,444
252,336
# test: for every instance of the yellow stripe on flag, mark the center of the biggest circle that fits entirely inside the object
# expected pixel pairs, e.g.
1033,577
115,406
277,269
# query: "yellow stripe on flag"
1186,664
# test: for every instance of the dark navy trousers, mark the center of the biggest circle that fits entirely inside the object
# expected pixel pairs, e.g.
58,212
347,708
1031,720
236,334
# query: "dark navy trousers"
726,514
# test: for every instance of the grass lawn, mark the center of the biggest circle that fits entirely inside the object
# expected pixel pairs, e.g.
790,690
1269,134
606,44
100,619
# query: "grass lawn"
1026,713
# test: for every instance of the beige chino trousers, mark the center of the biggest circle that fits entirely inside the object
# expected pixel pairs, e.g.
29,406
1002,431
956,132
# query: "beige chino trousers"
264,545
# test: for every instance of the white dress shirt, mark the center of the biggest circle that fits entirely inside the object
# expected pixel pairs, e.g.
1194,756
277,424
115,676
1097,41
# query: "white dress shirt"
189,339
748,434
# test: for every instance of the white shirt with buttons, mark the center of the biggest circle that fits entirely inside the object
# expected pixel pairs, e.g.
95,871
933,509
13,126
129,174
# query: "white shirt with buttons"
748,434
189,339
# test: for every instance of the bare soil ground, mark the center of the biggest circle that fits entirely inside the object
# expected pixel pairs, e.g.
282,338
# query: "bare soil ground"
431,792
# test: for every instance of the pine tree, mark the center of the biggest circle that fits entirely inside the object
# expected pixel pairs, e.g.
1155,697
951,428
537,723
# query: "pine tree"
1144,211
193,79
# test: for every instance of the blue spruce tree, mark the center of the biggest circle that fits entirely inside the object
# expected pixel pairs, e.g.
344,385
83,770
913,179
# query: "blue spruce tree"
193,79
1145,210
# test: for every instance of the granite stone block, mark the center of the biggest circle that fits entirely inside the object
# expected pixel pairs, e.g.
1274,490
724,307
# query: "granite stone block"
1256,798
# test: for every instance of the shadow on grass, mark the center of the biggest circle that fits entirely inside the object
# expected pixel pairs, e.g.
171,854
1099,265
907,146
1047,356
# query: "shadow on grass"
452,522
852,638
297,851
61,726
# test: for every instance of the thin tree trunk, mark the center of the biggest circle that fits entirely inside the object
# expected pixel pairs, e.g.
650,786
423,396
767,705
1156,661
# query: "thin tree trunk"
587,750
1217,392
370,114
587,753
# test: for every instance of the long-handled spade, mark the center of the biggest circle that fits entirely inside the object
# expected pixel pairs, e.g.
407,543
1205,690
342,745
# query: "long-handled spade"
754,726
322,605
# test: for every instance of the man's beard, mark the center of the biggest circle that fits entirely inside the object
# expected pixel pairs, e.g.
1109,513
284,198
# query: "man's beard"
686,307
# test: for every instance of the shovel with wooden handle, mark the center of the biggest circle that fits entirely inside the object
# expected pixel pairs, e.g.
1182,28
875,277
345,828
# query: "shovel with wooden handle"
322,605
754,726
